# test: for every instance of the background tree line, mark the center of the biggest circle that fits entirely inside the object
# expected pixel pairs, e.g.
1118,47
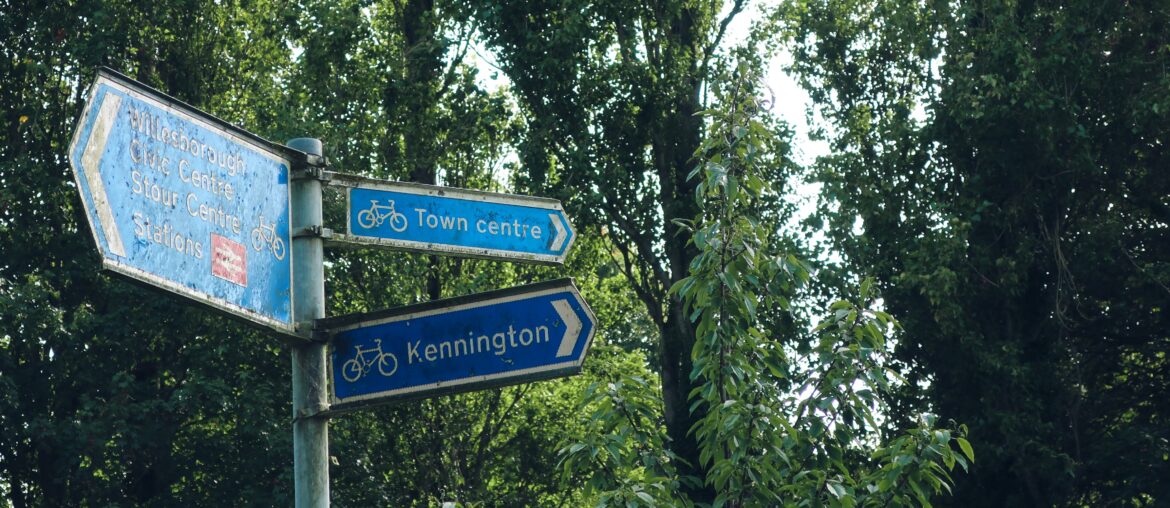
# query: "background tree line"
997,167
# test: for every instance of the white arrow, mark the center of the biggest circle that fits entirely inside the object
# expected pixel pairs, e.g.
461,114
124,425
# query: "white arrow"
90,160
572,327
560,238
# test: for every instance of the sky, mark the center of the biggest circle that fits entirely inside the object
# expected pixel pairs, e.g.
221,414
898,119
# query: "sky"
791,100
790,104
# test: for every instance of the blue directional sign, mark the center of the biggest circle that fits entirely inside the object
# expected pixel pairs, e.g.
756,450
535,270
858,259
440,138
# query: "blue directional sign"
503,337
462,222
181,200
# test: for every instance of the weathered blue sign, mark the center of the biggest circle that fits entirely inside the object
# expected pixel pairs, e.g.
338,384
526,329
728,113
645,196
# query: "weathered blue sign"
462,222
503,337
181,200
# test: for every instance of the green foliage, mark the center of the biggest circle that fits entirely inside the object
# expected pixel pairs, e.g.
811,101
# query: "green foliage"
1005,165
1001,162
623,457
112,395
783,422
609,91
410,109
818,441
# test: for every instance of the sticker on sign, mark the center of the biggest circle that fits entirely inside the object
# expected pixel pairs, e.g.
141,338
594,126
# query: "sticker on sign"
229,260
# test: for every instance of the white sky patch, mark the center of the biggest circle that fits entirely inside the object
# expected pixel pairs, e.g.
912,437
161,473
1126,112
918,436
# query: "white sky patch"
489,75
791,103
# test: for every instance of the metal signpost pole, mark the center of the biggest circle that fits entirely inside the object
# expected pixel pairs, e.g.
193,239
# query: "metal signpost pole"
309,388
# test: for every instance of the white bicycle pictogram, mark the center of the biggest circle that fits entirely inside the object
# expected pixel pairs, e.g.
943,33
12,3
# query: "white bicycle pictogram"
377,214
264,235
357,367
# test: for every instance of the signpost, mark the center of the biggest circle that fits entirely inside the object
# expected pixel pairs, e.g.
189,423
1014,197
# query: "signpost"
181,200
461,222
527,333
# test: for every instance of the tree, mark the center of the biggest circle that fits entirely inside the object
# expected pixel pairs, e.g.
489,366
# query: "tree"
111,394
105,385
610,91
1004,164
398,101
788,419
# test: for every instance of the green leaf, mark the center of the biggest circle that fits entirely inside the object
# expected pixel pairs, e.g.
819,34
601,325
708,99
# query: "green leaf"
966,447
918,493
837,489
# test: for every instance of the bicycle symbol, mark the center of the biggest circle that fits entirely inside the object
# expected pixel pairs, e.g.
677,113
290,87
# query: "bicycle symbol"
376,214
264,235
357,367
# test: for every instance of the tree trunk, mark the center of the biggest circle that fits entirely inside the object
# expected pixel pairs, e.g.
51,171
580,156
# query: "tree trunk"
423,65
675,152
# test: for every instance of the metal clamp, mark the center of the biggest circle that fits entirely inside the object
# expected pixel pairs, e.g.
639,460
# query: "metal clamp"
311,172
320,335
309,166
317,332
314,231
308,413
309,332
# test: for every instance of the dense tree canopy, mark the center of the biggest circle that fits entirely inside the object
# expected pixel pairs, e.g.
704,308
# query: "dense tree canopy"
998,168
1005,164
113,395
